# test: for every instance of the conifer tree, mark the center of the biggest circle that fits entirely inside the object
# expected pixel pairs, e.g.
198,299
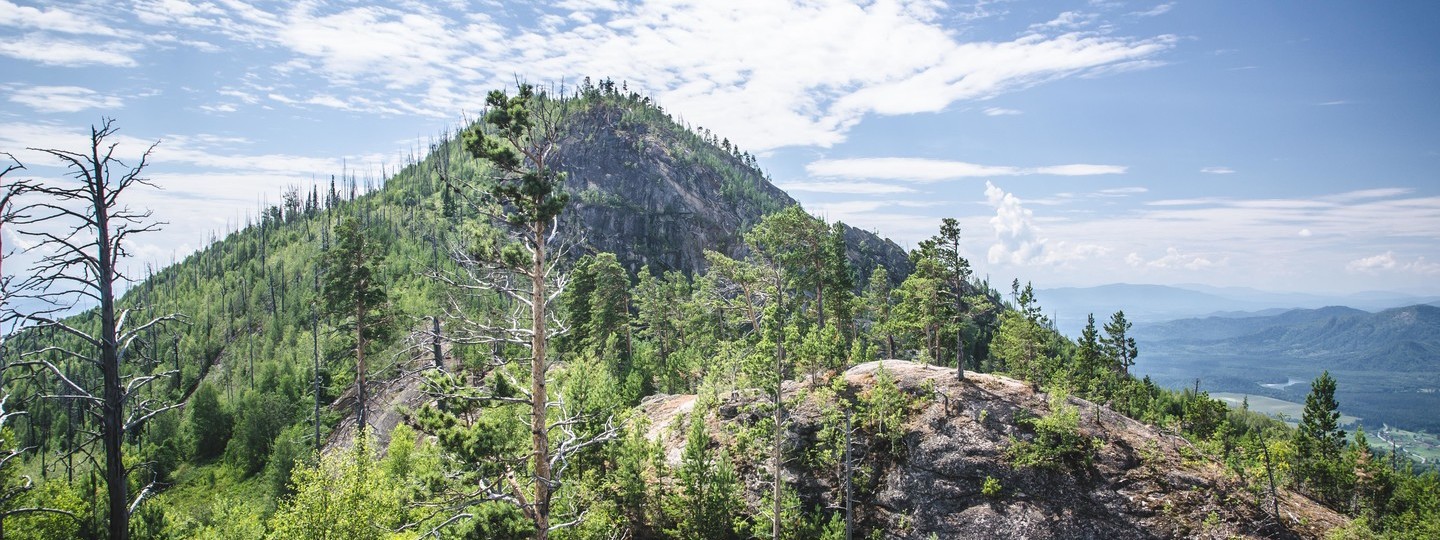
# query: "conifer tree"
525,193
1087,353
1118,345
1319,440
355,296
955,274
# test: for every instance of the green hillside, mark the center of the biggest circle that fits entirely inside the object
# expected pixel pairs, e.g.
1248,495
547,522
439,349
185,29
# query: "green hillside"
691,280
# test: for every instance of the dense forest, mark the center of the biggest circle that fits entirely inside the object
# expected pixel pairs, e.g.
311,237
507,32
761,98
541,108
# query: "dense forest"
234,394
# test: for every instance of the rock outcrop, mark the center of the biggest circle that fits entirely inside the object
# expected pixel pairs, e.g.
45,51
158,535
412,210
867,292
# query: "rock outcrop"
1141,483
655,193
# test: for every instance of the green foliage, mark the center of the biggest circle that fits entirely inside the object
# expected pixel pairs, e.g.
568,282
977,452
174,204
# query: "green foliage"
260,416
708,492
354,289
208,423
50,525
991,488
883,410
523,133
1057,442
1319,441
1118,345
344,496
1023,347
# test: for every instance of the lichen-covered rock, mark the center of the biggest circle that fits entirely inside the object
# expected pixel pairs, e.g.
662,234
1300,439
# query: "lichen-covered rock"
1141,483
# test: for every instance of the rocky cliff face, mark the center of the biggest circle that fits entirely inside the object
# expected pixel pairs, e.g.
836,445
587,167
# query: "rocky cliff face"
655,193
1142,482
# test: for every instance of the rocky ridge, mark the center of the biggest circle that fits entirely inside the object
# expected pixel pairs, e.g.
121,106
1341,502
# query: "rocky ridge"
1142,483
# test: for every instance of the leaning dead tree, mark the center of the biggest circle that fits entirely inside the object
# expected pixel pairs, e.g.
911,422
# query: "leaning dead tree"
500,300
81,230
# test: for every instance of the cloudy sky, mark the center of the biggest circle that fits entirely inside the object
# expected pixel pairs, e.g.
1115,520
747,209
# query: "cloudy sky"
1290,146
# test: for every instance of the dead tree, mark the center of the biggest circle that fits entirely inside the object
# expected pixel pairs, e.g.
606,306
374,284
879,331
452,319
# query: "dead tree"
81,230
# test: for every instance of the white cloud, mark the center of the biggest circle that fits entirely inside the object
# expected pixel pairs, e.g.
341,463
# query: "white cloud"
997,111
1305,233
1217,170
1078,169
1017,240
1068,20
1120,192
932,170
206,152
1363,194
50,51
717,61
63,99
1174,259
1383,261
52,19
859,188
1387,262
1157,10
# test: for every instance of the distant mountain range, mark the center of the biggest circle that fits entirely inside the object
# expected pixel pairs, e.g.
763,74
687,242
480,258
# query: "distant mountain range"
1154,303
1387,363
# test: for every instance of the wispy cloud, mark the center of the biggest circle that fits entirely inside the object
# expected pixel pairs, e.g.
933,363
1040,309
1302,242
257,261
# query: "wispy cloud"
48,50
1160,9
1172,259
1068,20
997,111
53,19
856,188
713,60
933,170
1217,170
63,99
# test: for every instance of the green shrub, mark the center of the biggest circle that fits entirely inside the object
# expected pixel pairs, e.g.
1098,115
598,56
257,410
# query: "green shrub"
991,488
1057,442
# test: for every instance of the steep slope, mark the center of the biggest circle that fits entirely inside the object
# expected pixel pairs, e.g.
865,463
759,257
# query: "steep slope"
655,193
1142,482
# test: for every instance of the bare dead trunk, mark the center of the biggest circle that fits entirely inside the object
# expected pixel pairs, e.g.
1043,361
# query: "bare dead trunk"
112,418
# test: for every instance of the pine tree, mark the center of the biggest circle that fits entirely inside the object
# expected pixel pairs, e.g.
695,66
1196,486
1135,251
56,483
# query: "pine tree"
1319,440
1118,345
956,276
355,296
1087,354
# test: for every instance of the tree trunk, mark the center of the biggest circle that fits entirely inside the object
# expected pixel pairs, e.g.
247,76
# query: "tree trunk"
435,342
849,505
112,429
540,438
315,342
959,353
779,386
360,375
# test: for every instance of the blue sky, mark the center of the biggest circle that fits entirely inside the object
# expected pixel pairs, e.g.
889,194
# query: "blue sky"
1291,146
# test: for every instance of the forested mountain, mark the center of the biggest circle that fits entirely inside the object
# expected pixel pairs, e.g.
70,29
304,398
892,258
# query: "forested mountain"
1158,303
511,390
1389,362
